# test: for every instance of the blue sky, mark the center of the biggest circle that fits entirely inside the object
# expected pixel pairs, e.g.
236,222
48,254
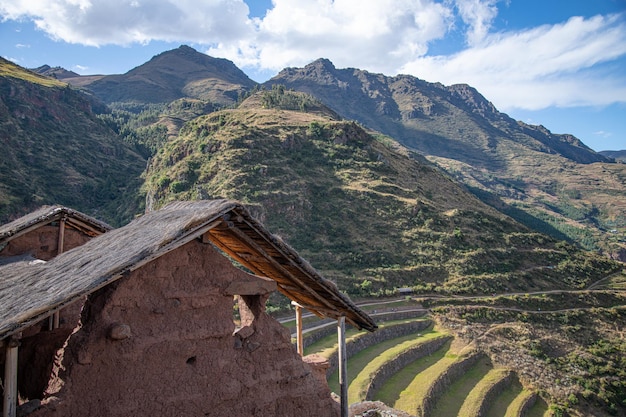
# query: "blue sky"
558,63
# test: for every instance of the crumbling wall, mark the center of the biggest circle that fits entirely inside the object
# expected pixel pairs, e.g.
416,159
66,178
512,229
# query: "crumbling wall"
38,345
161,342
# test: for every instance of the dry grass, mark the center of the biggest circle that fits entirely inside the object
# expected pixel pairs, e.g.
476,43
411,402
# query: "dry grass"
8,69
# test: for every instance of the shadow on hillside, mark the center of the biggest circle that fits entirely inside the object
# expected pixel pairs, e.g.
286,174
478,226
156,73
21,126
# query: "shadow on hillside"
437,145
518,214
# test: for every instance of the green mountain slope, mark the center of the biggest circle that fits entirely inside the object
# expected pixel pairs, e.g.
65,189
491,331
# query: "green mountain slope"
57,151
366,211
551,182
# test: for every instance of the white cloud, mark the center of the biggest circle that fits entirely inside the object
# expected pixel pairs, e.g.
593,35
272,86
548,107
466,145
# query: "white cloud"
559,65
552,65
478,15
22,45
378,35
122,22
603,134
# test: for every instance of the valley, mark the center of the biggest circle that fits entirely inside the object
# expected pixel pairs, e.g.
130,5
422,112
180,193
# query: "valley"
490,252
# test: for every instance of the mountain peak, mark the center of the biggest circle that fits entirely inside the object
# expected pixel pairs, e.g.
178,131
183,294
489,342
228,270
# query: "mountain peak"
322,63
59,73
174,74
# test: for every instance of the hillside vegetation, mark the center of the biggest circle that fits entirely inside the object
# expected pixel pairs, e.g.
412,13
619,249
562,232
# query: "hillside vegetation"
57,151
551,182
372,211
366,211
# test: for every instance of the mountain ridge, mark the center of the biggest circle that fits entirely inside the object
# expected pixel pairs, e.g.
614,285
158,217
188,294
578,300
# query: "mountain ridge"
524,170
171,75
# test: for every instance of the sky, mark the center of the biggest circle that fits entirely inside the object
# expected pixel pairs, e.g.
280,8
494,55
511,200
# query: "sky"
557,63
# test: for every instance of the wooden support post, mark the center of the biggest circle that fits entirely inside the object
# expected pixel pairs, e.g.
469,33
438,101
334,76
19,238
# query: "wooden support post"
343,365
61,241
299,343
10,378
55,320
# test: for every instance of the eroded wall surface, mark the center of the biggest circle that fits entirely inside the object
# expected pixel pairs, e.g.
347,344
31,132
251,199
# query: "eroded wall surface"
160,342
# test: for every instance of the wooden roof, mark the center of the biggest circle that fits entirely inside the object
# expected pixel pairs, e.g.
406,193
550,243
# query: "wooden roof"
30,292
48,214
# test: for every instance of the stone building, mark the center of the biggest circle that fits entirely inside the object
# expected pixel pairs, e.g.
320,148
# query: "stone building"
37,237
157,334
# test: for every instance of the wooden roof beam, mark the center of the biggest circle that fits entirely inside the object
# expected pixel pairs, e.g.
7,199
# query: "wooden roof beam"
338,299
245,238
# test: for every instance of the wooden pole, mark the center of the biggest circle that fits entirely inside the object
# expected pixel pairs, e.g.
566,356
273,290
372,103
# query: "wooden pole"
343,365
55,319
299,344
10,379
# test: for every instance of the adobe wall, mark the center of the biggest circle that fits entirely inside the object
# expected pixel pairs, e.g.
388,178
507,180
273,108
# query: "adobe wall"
160,342
38,345
42,243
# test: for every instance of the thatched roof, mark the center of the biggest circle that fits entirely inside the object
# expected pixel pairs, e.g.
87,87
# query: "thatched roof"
48,214
30,292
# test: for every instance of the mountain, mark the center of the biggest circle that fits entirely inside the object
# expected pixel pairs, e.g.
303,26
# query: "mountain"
57,151
419,113
617,155
366,211
552,182
171,75
55,72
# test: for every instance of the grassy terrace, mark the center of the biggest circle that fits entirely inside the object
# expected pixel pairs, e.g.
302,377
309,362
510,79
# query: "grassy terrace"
390,392
540,409
414,394
474,400
450,403
362,366
515,404
504,405
408,389
326,346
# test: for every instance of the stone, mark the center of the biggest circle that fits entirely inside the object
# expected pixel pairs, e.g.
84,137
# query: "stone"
28,407
83,357
120,332
252,346
245,332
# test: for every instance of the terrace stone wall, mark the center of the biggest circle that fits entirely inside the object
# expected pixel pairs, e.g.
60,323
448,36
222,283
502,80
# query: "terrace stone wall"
441,384
331,327
494,391
396,364
366,340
